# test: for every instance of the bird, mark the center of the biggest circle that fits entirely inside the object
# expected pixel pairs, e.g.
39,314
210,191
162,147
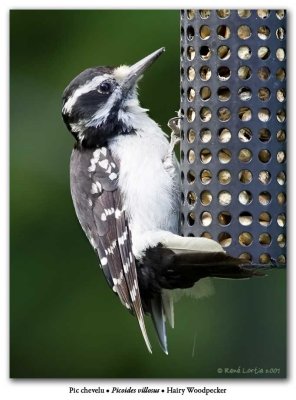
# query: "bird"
125,187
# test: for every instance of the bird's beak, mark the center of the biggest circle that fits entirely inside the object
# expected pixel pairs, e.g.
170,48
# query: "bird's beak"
137,69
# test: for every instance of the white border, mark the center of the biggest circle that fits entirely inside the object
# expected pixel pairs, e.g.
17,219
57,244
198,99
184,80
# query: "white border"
58,389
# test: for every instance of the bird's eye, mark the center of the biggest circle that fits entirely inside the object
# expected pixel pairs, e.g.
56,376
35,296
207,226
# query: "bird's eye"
105,87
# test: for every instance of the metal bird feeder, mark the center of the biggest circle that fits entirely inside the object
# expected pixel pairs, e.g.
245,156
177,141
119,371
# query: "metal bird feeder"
233,148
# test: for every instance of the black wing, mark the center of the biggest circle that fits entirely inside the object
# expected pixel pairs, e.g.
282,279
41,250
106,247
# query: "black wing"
98,204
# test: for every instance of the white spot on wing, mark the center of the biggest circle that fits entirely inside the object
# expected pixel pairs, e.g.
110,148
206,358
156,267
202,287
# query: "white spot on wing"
94,160
94,188
103,151
112,176
103,217
133,293
117,213
126,267
122,239
104,261
111,248
104,163
99,186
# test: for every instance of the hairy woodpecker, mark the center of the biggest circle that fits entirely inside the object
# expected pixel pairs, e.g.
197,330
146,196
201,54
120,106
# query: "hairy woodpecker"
126,193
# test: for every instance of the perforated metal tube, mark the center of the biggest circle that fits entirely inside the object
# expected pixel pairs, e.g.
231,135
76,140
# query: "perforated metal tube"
233,149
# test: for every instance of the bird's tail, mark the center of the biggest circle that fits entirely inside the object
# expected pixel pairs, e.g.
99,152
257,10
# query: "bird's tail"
177,262
158,318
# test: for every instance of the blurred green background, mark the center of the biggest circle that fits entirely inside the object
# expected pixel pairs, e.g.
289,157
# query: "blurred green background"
65,321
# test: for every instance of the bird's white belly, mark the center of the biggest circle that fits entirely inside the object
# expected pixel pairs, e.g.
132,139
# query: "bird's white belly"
150,193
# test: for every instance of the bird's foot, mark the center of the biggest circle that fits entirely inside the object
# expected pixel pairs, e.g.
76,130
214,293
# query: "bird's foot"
174,125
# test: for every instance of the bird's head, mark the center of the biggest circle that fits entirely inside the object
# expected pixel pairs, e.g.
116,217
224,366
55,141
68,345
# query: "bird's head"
102,102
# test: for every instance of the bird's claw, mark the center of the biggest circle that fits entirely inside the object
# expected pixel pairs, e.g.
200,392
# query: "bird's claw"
174,125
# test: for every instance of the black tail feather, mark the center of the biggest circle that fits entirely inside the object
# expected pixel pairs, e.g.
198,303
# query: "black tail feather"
159,321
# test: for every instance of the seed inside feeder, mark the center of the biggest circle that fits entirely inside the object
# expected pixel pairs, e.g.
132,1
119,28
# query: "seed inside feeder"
244,32
244,72
205,114
205,73
263,13
223,73
244,53
280,54
263,32
225,239
206,218
280,14
190,53
263,73
281,178
263,53
264,219
245,239
224,177
245,218
264,177
264,94
223,93
191,198
224,156
205,156
224,218
281,220
205,176
191,136
264,239
191,73
264,258
224,52
224,198
205,135
245,135
280,33
245,114
224,135
244,13
205,32
245,176
204,14
244,93
245,197
223,13
205,93
281,95
223,32
206,198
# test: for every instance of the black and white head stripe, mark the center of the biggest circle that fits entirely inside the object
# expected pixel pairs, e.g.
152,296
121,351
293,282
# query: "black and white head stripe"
87,87
94,181
88,82
91,76
95,105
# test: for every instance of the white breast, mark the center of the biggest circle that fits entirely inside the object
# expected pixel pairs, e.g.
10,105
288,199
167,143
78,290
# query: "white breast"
150,193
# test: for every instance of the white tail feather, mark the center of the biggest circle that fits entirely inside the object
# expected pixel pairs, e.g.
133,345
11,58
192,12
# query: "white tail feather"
168,306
